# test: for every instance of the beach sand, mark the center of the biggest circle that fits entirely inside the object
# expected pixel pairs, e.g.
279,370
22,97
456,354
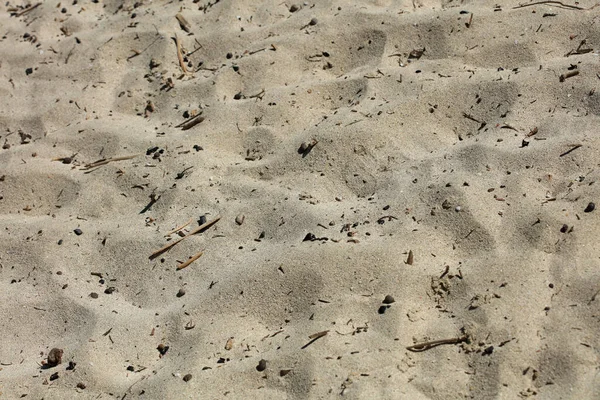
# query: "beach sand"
378,174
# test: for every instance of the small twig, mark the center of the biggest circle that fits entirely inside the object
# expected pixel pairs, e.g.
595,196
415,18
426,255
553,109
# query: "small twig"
180,55
26,10
314,337
105,161
179,227
191,260
558,3
575,147
199,229
187,121
434,343
183,23
192,122
569,74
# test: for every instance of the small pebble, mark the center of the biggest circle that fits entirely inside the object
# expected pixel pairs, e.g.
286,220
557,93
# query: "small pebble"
262,365
187,378
590,207
78,231
162,349
457,208
240,219
94,295
54,376
294,8
81,385
309,237
313,22
388,300
60,242
55,357
110,290
564,228
284,372
383,309
202,220
180,293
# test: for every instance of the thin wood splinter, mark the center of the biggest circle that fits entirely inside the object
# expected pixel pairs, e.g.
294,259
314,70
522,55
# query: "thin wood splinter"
105,161
434,343
314,337
191,260
173,243
180,55
179,227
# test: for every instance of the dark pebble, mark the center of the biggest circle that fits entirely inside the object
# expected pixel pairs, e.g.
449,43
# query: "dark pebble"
78,231
590,207
54,376
294,8
237,96
29,71
94,295
383,309
313,22
488,351
187,378
162,349
60,242
284,372
202,220
110,290
55,357
81,385
130,368
388,299
309,237
180,293
151,150
71,366
262,365
564,228
198,148
229,56
236,68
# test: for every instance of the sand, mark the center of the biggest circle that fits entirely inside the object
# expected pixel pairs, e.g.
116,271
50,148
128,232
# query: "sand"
331,139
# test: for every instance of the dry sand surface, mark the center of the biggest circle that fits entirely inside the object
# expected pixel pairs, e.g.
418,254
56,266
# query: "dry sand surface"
372,176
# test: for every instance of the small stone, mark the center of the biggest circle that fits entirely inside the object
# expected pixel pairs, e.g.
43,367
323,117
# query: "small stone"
564,228
294,8
383,309
187,377
60,242
309,237
262,365
110,290
388,300
237,96
313,22
457,208
180,293
162,349
590,207
94,295
81,385
229,56
488,351
284,372
78,232
55,357
202,220
131,368
240,219
54,376
29,71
